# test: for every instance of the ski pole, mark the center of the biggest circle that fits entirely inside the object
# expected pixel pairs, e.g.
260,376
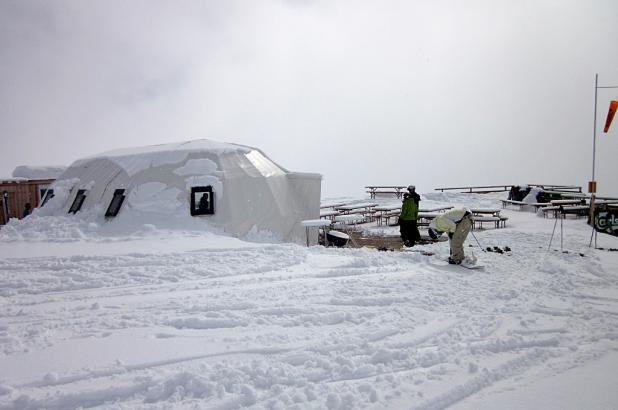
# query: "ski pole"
477,241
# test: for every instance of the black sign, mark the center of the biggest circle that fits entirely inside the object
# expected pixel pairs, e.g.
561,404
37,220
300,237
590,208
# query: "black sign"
606,220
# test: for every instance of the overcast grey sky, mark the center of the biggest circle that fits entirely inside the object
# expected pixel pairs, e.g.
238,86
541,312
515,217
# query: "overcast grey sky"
436,93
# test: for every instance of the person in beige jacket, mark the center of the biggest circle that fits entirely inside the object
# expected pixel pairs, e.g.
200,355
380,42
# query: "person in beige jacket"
458,224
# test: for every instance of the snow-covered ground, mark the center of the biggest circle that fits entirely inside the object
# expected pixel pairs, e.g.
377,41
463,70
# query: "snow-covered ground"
184,319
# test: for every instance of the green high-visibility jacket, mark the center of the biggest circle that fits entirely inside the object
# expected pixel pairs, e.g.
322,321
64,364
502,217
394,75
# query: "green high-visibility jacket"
409,210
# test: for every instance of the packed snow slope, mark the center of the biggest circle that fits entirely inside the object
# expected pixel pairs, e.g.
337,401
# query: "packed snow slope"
160,319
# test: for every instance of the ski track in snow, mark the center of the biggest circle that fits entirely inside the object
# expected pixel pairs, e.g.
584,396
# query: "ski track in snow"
287,327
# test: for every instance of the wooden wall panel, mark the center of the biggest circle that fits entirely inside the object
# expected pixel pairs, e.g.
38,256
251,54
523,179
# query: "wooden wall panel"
18,195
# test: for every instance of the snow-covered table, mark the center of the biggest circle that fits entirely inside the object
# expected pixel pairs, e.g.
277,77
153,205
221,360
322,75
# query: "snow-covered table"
363,207
485,211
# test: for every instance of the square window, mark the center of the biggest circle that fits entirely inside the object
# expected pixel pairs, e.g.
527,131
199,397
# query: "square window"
115,204
202,200
78,202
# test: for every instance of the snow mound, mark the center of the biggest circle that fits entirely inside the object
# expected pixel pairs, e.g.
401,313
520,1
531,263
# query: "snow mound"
30,172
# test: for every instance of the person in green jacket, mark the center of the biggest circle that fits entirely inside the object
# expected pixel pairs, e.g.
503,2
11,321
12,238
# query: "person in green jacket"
408,218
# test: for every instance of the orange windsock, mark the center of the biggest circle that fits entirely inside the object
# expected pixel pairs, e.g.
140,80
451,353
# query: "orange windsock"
613,106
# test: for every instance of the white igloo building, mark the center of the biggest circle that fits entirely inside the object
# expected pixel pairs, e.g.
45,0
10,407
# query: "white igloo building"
232,187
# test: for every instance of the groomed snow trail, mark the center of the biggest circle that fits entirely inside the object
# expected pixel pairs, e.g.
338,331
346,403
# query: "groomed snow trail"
287,327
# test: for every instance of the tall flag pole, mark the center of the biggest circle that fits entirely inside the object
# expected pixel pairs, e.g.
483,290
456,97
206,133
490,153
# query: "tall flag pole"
592,185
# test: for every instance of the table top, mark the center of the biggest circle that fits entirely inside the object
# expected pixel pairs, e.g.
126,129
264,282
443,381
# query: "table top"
356,206
575,208
349,218
487,218
485,210
315,222
387,208
565,201
436,209
329,213
428,214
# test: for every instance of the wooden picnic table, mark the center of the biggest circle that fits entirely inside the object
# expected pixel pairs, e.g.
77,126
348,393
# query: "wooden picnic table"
485,211
346,209
385,213
436,209
478,220
506,202
325,214
398,190
567,194
345,221
521,204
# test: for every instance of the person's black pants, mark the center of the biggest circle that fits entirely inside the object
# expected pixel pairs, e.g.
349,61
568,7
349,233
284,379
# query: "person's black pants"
409,232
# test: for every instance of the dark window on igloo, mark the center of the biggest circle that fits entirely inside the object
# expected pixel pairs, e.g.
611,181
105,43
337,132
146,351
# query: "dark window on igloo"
202,200
47,195
78,202
115,204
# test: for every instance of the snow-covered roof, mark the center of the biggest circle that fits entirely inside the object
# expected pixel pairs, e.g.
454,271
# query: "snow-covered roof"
136,159
39,172
194,145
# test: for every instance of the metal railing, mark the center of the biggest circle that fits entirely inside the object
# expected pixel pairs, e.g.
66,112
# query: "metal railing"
506,187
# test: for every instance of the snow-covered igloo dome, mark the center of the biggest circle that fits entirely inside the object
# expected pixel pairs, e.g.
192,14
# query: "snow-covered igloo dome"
233,187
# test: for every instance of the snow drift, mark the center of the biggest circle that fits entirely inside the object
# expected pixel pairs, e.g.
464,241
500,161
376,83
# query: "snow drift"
31,173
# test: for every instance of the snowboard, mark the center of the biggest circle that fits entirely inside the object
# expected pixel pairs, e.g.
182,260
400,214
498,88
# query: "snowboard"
422,252
469,265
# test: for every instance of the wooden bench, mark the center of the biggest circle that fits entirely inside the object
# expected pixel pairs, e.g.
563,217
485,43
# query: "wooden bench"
506,202
425,218
550,210
479,220
577,210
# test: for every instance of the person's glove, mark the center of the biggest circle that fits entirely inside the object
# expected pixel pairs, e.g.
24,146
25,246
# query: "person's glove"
433,234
